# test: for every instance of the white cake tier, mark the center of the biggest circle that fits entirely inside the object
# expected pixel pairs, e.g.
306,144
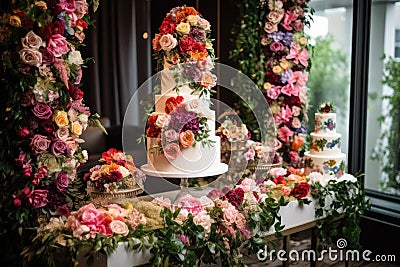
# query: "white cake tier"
189,160
325,123
325,144
193,103
326,165
168,83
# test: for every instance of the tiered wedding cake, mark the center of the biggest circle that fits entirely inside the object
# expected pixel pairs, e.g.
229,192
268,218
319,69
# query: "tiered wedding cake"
181,131
325,154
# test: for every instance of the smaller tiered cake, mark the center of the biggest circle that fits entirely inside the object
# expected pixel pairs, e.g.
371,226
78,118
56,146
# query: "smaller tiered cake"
325,155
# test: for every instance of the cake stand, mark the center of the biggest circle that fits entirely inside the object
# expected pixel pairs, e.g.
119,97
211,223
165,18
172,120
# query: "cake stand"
184,184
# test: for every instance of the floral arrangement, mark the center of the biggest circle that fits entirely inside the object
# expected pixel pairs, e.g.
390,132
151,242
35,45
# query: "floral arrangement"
42,111
232,131
184,38
285,47
183,126
118,172
256,153
217,226
326,107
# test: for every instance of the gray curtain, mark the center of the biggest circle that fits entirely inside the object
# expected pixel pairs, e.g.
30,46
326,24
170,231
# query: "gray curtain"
112,78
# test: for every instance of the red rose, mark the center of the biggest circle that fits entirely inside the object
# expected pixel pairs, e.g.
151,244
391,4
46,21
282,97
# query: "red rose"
167,27
186,44
279,180
301,190
82,24
152,130
171,103
58,27
46,32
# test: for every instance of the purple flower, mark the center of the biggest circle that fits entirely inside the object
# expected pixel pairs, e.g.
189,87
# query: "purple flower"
198,34
288,39
277,36
58,147
192,72
62,181
286,76
42,111
182,120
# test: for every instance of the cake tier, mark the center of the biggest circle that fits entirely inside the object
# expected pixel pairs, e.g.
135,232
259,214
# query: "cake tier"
326,165
189,160
325,123
325,144
168,82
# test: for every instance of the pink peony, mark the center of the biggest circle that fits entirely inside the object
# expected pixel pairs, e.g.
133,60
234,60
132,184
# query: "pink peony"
89,214
248,185
229,215
191,204
203,219
277,172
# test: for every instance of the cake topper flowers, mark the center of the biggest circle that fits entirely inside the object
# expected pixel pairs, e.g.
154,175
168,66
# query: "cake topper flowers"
326,107
184,37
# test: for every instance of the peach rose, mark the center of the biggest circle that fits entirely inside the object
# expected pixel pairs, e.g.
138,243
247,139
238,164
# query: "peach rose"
156,42
285,190
41,4
31,57
275,17
203,219
183,28
207,80
270,27
15,21
192,19
168,42
119,227
60,118
76,128
186,138
31,40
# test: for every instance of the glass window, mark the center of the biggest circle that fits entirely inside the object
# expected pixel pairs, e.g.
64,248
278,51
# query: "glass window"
383,123
329,78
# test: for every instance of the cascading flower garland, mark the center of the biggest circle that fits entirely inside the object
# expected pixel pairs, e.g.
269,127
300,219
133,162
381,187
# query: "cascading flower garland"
42,110
285,47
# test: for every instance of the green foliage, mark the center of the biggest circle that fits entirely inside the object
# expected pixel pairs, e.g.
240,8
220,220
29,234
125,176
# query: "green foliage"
340,205
387,150
329,77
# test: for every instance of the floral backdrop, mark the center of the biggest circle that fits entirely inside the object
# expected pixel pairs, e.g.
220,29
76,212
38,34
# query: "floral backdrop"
279,66
42,111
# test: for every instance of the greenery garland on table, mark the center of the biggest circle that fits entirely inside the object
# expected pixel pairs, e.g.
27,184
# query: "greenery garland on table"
42,115
198,232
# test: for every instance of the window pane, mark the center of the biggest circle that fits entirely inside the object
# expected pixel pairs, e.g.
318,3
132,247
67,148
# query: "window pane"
329,78
383,136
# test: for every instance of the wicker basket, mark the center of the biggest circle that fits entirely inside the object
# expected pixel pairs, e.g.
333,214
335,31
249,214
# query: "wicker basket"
122,193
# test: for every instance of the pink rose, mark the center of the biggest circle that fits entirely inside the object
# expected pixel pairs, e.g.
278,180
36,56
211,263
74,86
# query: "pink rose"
47,56
171,151
248,185
298,25
30,57
274,92
119,227
277,172
249,154
58,147
270,27
81,8
24,132
28,99
168,42
31,40
67,5
41,174
90,214
27,169
42,111
21,158
229,214
62,181
203,23
38,198
285,190
203,219
39,143
294,157
58,45
276,46
79,77
62,133
191,204
170,135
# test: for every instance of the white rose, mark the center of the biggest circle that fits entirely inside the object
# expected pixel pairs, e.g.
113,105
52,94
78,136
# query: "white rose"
168,42
162,120
119,227
204,24
124,171
183,28
193,105
75,57
83,118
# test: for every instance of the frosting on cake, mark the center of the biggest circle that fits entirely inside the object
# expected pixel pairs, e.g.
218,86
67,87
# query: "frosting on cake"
325,155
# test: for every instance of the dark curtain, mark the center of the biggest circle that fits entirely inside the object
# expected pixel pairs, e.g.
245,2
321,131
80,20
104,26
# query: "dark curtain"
112,78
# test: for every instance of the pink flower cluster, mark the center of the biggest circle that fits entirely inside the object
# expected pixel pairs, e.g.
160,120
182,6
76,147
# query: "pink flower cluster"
286,49
89,221
46,55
